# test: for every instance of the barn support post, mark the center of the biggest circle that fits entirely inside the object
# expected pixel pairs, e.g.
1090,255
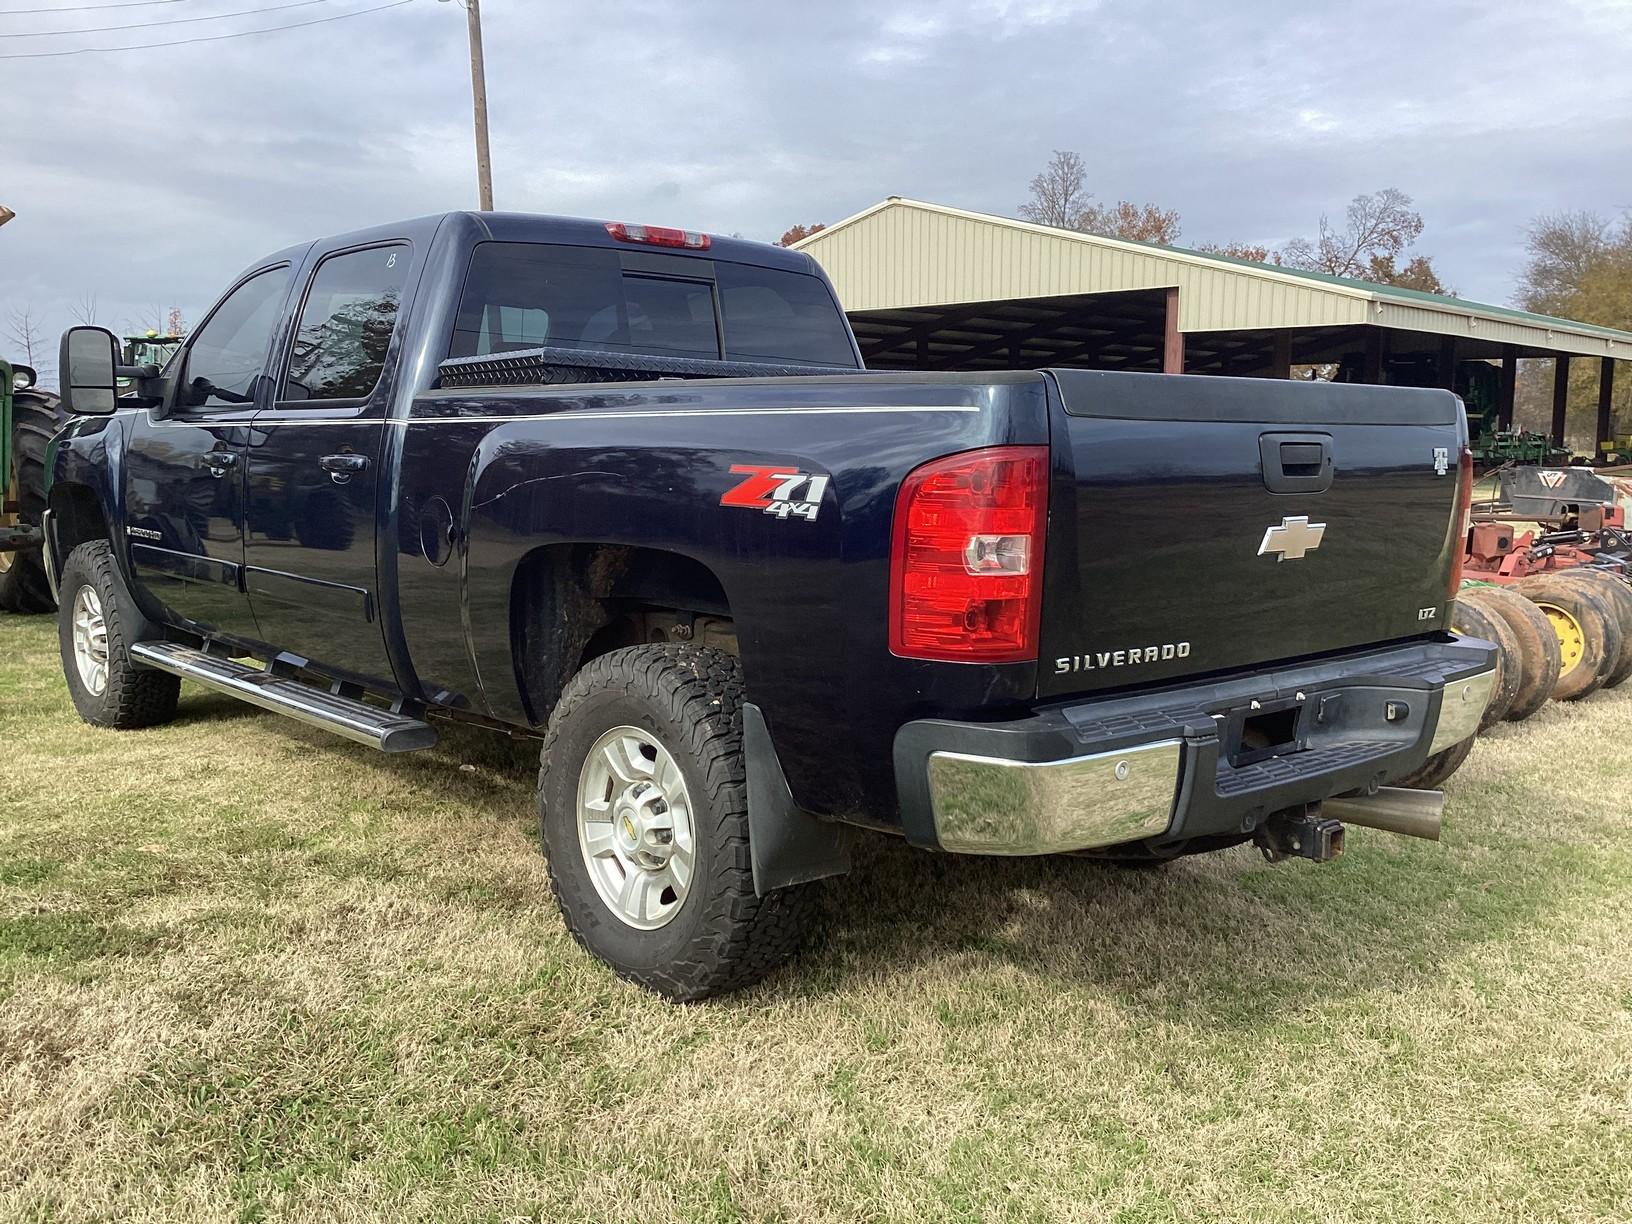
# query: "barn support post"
1281,363
1172,337
1372,374
1509,389
1561,396
1447,363
1606,391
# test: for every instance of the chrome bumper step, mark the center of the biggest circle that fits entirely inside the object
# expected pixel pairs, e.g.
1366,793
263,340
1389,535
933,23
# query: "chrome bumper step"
356,720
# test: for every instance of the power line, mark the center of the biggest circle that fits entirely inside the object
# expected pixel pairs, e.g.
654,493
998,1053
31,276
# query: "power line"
87,8
148,25
182,42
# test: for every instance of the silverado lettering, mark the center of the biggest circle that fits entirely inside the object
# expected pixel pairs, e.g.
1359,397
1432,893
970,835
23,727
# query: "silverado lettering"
532,474
1122,658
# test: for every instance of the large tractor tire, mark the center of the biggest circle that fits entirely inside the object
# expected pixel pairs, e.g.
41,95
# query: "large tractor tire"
1588,629
1471,620
1619,597
1539,660
35,417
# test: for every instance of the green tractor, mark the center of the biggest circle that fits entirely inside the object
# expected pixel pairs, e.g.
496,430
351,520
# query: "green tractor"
149,348
28,419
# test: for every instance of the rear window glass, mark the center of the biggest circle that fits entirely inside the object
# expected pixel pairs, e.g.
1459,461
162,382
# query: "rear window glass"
526,295
772,315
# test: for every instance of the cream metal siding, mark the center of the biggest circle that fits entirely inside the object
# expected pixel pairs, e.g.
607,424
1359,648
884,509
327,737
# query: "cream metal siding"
903,253
1498,330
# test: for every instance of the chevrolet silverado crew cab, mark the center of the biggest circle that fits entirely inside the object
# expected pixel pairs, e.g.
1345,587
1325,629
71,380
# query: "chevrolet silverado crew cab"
629,490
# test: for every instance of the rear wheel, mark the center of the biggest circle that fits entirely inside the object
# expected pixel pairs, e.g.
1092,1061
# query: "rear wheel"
1433,772
35,418
1471,620
1539,659
644,816
1588,631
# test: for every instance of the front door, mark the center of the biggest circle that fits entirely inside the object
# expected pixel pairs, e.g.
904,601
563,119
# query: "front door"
184,470
313,471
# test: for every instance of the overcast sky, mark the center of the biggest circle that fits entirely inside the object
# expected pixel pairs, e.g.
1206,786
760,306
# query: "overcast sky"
149,179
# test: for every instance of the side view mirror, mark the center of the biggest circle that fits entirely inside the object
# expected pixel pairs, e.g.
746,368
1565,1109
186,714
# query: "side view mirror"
23,377
88,371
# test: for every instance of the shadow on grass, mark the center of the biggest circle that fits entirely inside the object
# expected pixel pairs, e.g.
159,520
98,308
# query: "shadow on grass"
1222,939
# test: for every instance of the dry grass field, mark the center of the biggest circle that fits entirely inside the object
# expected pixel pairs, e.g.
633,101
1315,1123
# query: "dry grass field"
250,972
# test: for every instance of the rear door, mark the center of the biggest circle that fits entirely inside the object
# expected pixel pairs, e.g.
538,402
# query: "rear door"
313,468
1210,524
184,469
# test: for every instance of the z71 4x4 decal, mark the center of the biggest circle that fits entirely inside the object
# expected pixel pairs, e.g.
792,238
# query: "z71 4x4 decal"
784,492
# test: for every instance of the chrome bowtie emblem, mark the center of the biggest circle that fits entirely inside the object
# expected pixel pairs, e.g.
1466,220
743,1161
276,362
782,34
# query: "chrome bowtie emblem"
1292,539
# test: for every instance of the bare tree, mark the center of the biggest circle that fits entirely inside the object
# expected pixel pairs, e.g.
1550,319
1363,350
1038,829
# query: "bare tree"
1057,195
84,308
174,324
1564,247
1380,225
23,332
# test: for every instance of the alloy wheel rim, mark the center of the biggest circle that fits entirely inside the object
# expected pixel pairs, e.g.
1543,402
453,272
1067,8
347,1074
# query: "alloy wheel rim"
90,641
635,827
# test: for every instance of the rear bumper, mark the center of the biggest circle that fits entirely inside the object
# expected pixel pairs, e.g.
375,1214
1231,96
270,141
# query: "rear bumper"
1177,763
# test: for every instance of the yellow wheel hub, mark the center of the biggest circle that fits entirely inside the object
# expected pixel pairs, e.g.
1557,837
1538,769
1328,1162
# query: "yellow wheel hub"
1572,639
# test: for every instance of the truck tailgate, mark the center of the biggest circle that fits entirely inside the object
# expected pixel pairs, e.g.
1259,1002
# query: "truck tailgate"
1201,524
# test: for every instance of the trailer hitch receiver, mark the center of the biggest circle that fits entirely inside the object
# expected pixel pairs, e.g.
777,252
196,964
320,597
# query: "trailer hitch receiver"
1300,833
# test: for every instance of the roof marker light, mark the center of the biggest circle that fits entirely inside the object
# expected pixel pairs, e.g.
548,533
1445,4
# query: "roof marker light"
659,235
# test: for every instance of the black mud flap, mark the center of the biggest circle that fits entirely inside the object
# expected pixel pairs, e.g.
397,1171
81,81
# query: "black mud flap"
788,845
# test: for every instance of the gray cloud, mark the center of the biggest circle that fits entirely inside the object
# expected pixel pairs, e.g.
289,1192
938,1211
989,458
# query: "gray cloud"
150,178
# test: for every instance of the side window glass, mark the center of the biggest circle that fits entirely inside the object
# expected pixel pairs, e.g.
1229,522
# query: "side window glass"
346,325
228,353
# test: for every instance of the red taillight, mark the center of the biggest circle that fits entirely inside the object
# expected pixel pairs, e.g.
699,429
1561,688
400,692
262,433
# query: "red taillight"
659,235
966,565
1459,524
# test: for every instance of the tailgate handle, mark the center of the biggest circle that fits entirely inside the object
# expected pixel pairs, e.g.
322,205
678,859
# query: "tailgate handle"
1296,462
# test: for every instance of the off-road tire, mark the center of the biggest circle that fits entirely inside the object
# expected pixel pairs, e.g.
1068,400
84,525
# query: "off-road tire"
134,696
1619,596
35,417
1472,620
1539,658
724,937
1600,629
1433,772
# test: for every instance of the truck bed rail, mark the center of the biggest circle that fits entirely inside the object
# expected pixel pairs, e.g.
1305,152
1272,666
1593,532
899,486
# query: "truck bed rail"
553,365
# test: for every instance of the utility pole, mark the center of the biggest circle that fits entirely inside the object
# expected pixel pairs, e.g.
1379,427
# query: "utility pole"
478,96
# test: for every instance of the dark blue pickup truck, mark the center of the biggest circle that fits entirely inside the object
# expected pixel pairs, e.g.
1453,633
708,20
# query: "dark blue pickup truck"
629,489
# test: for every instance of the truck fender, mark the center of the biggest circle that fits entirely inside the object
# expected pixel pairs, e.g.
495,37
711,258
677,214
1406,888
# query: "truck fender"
788,845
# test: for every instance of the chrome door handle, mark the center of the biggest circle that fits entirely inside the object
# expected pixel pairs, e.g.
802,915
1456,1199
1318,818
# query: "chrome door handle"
220,461
342,468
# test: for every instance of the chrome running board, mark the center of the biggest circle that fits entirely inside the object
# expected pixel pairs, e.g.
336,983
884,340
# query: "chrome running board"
346,716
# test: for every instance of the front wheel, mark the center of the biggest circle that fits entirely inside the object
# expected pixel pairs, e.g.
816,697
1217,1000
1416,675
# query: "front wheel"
97,624
643,810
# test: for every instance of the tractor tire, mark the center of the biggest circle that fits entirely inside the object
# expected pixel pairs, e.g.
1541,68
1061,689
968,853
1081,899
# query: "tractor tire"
1433,772
1539,658
1588,629
1471,620
1619,596
643,811
35,417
